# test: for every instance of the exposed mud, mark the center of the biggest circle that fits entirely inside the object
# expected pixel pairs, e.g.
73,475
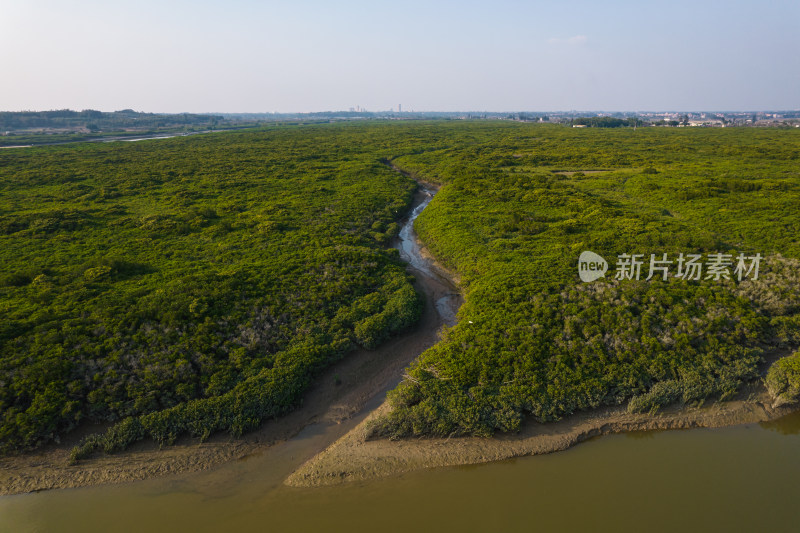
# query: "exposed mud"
353,458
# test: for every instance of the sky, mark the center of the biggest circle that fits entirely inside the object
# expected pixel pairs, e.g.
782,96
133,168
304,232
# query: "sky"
308,55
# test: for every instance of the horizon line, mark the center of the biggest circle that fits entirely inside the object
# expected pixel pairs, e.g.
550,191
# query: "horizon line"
415,111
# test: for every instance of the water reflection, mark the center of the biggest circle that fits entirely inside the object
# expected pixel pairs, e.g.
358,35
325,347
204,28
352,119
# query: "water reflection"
787,425
643,434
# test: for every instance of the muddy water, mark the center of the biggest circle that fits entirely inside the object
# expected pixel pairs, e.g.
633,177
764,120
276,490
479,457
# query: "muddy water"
732,479
741,479
446,305
410,251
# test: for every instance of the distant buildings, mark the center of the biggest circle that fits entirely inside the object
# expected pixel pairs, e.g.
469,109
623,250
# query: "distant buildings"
707,122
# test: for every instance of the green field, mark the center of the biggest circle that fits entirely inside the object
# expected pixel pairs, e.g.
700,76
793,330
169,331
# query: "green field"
192,285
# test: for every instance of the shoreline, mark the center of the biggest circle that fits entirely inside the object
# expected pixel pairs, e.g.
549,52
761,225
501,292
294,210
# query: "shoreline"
354,458
351,457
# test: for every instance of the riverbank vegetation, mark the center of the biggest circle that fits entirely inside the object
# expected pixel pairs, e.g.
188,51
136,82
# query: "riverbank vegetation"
517,209
783,379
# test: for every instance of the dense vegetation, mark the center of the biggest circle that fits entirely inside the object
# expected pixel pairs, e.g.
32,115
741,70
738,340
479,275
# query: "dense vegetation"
190,285
605,122
518,207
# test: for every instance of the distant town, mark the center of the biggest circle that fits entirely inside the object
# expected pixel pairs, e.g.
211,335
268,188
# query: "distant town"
575,118
91,123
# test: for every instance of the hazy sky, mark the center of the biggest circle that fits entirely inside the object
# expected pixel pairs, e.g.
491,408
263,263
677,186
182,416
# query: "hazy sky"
305,55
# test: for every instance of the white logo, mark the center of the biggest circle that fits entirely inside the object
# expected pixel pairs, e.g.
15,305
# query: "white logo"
718,266
591,266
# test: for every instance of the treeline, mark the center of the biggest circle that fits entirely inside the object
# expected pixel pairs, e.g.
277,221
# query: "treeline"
99,120
606,122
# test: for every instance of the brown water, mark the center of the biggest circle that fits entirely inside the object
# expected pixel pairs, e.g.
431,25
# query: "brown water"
733,479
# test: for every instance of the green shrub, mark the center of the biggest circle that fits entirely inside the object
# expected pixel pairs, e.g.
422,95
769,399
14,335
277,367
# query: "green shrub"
660,395
783,379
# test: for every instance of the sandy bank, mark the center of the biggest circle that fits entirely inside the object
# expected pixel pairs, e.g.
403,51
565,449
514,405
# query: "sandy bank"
353,458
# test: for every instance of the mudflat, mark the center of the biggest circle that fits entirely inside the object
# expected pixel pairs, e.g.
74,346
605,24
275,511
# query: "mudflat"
354,457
